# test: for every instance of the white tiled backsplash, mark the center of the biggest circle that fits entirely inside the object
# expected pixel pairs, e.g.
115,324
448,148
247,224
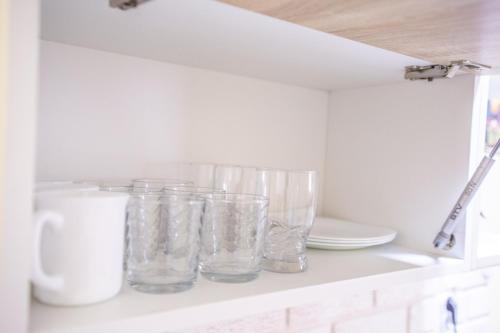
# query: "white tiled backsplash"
410,308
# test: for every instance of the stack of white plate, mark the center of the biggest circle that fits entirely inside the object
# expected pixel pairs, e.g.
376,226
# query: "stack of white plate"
334,234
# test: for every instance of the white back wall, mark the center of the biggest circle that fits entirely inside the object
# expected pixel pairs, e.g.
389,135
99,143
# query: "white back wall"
108,115
398,155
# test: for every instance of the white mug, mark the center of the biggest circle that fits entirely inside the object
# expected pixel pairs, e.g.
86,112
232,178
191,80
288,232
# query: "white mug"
78,252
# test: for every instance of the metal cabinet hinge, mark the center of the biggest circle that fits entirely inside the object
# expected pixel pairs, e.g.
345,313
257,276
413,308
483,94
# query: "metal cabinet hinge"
431,72
125,4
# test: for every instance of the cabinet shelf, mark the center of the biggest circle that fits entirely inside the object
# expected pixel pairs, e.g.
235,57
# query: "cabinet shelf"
330,272
120,91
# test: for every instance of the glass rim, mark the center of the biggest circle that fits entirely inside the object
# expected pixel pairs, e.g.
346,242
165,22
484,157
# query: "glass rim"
162,180
189,197
145,194
290,171
192,189
117,188
231,195
236,166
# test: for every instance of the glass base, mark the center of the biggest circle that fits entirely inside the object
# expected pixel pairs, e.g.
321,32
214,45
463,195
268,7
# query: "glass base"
300,264
161,288
230,278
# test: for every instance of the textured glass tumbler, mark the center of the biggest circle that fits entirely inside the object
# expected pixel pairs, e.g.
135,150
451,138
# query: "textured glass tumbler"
163,238
232,237
292,207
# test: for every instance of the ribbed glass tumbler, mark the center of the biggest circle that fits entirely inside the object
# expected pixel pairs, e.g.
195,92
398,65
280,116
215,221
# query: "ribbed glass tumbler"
292,208
232,237
163,241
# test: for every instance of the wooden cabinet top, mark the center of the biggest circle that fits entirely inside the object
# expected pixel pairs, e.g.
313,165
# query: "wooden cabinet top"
434,30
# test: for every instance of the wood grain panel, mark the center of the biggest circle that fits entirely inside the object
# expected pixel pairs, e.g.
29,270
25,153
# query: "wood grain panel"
434,30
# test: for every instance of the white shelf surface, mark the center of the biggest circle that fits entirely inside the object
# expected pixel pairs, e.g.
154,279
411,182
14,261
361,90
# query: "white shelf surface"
330,273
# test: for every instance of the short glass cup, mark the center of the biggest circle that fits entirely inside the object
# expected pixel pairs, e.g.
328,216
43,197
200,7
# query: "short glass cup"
232,237
163,239
292,208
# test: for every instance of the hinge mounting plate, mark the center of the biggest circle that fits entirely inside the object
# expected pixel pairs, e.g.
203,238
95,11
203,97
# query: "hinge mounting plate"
437,71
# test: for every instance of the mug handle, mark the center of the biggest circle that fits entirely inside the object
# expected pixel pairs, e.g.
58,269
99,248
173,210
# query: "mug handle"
38,275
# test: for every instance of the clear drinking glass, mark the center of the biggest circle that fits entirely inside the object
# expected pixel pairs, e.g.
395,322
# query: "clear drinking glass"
163,241
157,184
292,208
192,189
232,237
200,174
238,179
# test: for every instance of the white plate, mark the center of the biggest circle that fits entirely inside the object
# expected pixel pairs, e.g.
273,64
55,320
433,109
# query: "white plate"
349,239
338,247
330,229
352,239
340,242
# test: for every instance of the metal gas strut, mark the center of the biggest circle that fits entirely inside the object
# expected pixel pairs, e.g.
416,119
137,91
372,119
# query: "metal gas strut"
445,238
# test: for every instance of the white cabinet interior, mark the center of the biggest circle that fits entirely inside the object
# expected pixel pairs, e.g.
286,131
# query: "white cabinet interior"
398,155
123,92
394,154
125,114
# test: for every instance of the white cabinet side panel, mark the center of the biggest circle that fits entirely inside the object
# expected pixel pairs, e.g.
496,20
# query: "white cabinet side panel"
398,155
109,115
18,73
